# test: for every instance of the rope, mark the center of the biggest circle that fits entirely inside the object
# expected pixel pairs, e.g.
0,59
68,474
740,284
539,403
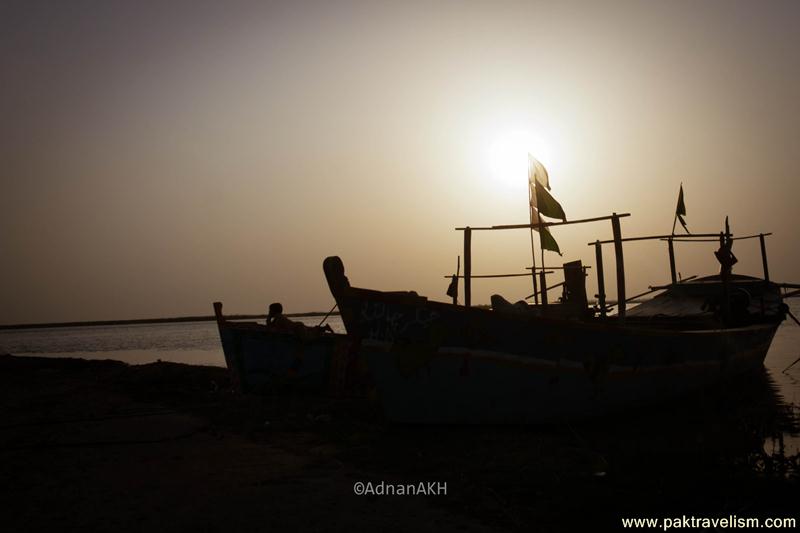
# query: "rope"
329,314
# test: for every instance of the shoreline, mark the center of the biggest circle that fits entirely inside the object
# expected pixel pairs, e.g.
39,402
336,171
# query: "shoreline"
101,444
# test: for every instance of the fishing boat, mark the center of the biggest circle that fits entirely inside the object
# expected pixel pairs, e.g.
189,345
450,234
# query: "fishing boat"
444,362
262,360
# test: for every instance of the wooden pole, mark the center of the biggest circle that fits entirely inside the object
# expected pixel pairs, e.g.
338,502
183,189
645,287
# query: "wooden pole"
546,224
686,238
764,256
476,276
218,313
533,248
601,282
542,282
557,285
620,267
672,260
543,279
658,288
467,266
533,272
724,273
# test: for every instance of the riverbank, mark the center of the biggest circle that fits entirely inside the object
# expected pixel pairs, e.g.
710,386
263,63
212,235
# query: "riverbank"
164,446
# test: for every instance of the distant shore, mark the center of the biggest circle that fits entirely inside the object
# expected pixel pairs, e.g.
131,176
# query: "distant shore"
203,318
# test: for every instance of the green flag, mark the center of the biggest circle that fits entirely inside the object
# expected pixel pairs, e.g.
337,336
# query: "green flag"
680,210
539,183
542,203
546,204
536,171
547,241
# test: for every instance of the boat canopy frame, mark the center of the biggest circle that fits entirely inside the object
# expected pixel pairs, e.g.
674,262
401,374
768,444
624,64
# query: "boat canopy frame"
617,241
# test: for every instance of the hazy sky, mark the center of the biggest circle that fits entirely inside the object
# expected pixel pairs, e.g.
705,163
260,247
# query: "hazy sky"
156,156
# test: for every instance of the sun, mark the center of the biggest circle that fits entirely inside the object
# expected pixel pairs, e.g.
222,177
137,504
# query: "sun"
507,156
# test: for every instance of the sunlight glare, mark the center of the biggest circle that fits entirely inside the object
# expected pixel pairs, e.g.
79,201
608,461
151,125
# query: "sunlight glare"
508,157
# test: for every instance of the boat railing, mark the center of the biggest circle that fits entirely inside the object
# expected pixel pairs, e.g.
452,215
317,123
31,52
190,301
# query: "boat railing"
760,237
615,225
671,239
617,241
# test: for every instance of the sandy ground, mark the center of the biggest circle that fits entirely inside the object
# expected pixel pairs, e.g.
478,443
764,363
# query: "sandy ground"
100,445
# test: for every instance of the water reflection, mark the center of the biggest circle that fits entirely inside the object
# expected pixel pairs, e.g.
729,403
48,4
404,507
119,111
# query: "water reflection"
744,424
780,453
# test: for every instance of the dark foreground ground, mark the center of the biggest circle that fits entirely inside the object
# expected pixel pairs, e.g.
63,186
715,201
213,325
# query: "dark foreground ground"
100,445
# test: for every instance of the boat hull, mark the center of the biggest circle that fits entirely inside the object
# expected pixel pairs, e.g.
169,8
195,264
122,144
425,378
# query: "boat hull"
439,363
265,360
261,360
459,385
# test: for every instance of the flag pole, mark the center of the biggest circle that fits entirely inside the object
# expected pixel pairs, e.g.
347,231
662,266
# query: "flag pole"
544,281
533,247
539,219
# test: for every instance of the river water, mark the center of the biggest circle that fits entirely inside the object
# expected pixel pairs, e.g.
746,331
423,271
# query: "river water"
198,343
195,343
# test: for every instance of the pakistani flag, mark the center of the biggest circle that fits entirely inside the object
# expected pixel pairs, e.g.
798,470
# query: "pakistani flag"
546,204
542,203
537,171
680,212
547,241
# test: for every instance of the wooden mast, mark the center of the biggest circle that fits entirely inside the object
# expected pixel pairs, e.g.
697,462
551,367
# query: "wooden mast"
764,256
542,280
672,260
533,247
467,266
724,274
601,282
620,267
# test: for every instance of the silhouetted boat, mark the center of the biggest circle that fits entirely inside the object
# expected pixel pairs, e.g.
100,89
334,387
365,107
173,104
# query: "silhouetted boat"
262,360
435,362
